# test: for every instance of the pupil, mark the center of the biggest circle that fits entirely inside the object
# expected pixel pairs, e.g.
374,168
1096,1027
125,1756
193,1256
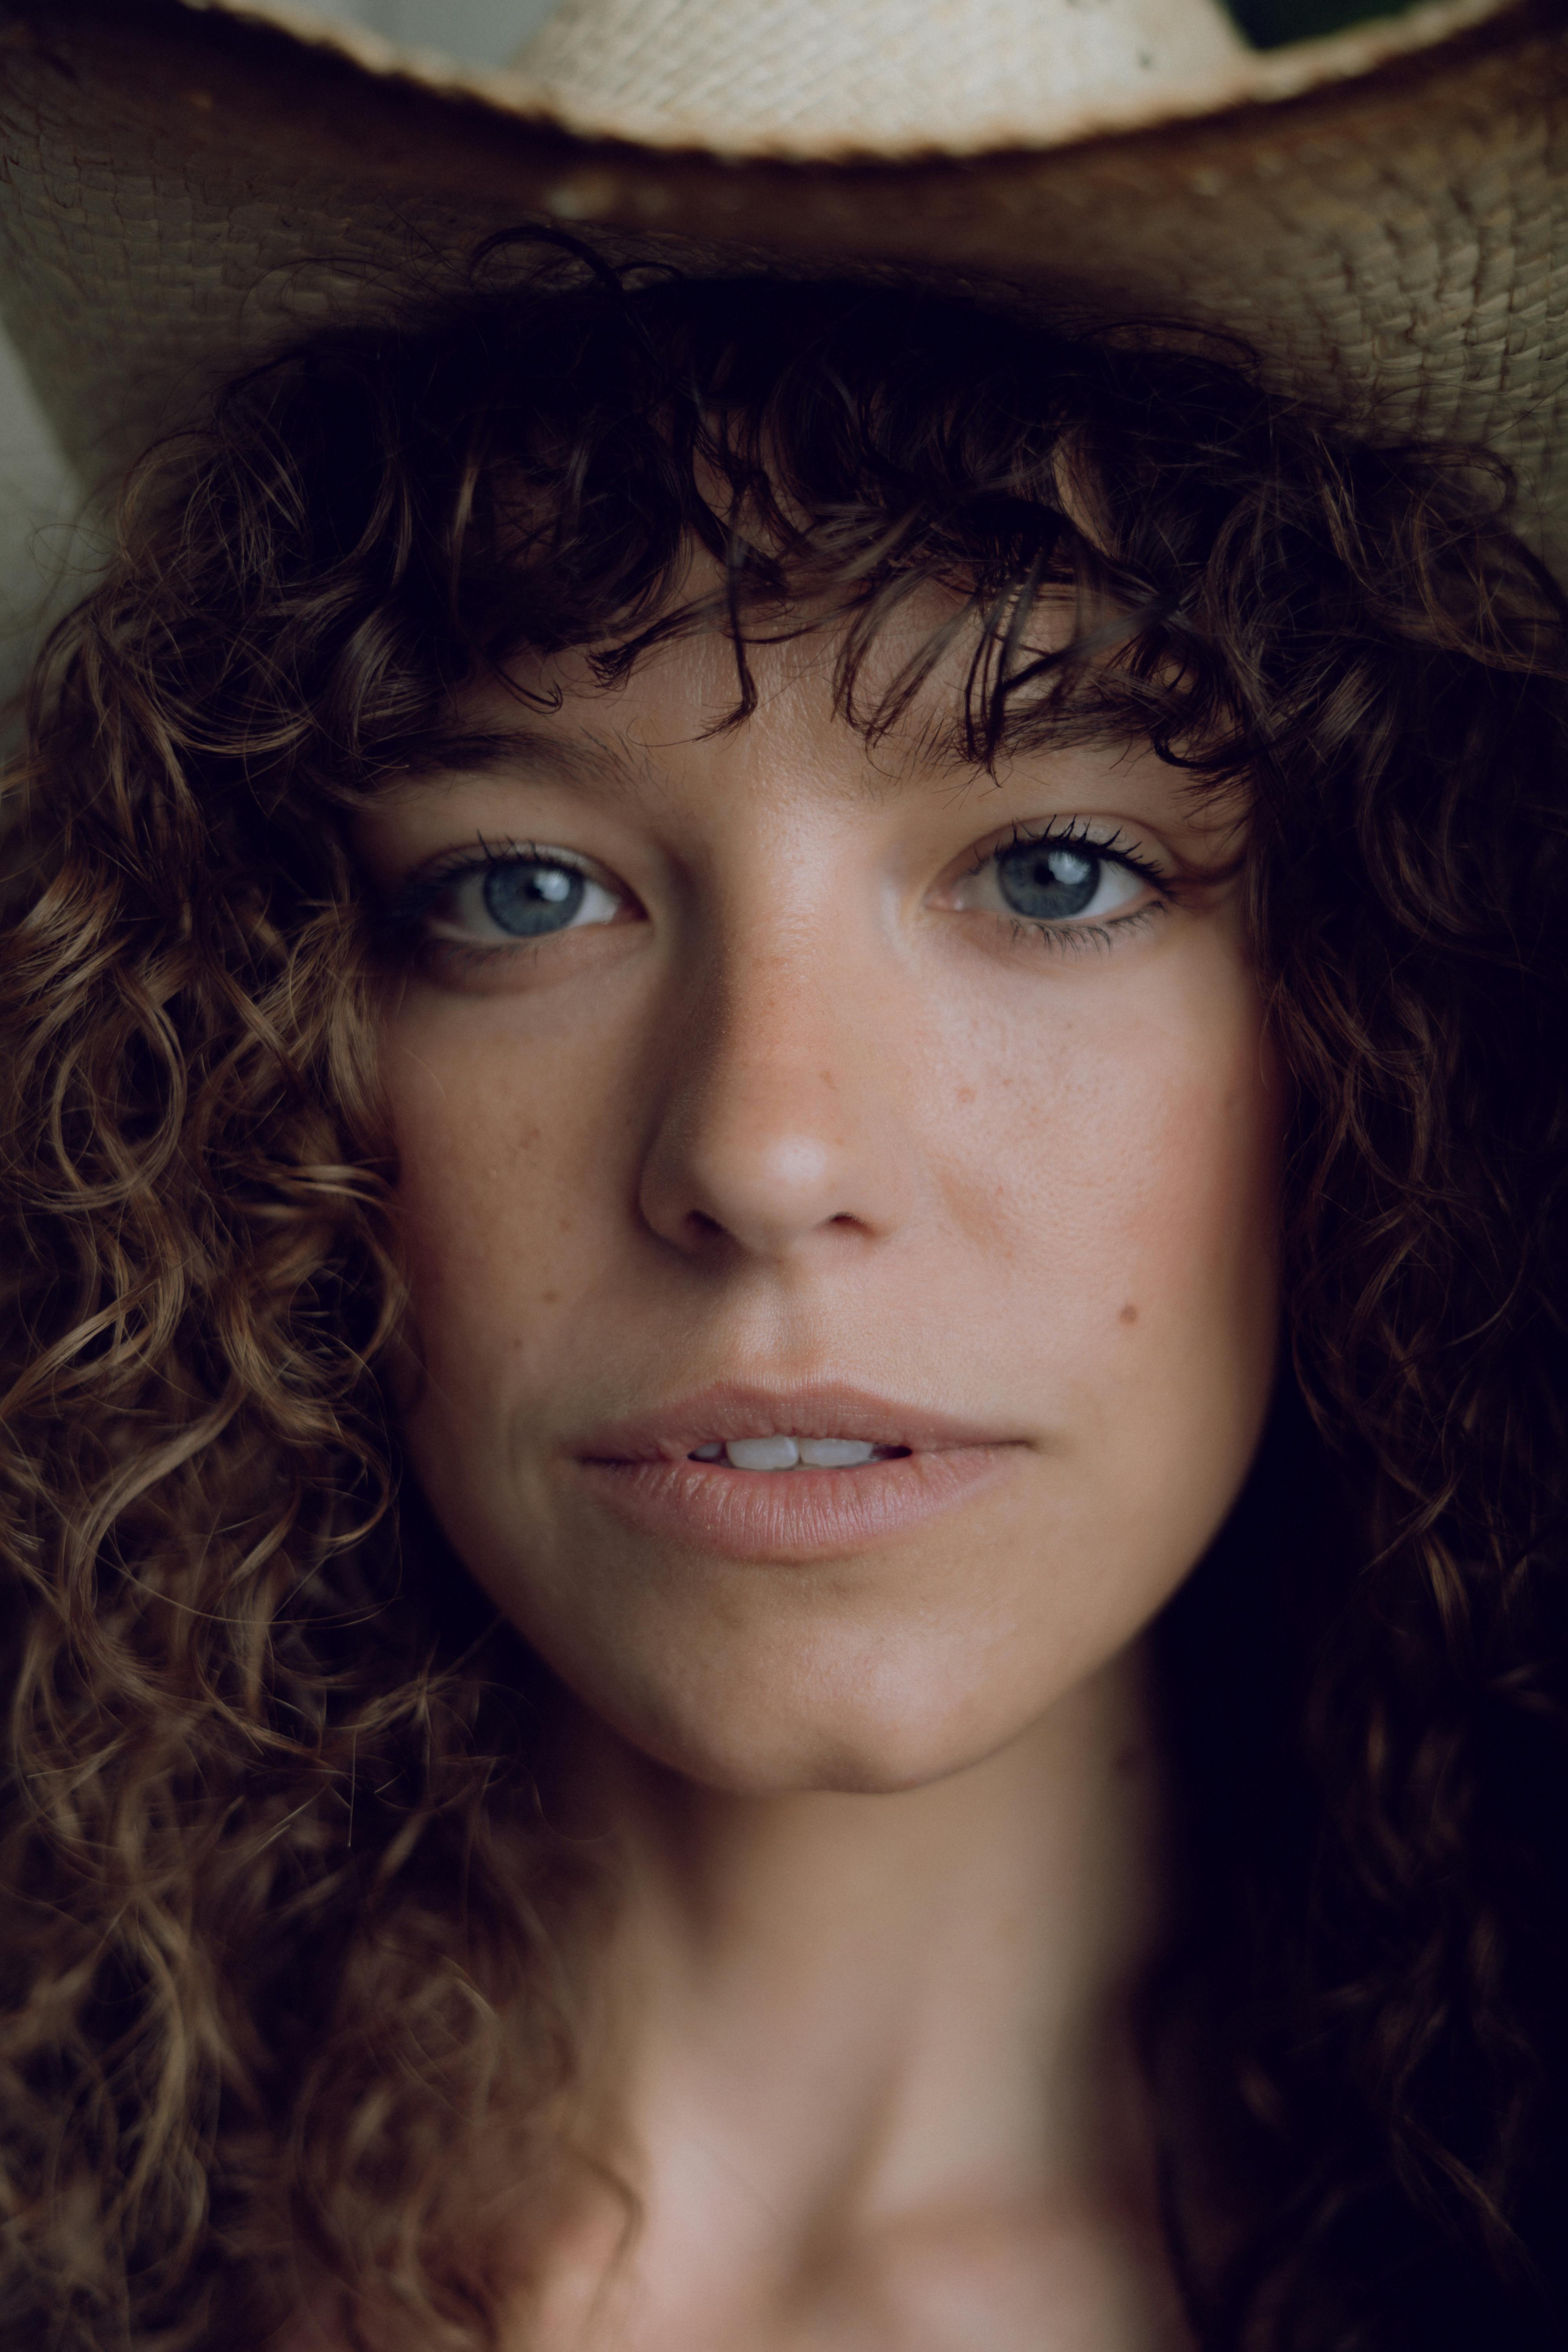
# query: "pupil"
1045,882
527,899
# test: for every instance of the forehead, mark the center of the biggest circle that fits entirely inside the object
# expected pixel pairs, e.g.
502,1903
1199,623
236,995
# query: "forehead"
882,704
534,754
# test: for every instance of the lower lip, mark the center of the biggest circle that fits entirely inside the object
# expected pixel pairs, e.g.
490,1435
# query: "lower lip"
794,1515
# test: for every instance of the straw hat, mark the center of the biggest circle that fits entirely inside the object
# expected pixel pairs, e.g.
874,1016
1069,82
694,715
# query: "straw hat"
1383,212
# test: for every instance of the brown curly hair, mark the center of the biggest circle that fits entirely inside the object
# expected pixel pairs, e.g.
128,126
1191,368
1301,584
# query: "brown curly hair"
288,1952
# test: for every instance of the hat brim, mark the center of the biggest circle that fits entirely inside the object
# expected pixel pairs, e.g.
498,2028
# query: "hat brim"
182,189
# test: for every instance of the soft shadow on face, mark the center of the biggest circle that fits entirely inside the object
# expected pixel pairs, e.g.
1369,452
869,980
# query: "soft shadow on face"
809,1119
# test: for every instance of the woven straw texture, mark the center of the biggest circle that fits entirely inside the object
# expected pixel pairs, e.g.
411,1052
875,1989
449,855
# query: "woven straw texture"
821,80
825,78
181,188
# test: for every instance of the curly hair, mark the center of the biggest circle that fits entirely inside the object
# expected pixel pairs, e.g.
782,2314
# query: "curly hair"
289,1950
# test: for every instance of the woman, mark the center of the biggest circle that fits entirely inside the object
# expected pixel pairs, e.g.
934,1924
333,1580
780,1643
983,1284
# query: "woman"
782,1145
698,975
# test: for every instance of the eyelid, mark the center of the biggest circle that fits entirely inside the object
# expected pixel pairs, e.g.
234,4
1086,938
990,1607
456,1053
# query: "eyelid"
1113,844
417,891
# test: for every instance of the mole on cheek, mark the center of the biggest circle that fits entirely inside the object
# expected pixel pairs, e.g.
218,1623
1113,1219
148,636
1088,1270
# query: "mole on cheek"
1129,1314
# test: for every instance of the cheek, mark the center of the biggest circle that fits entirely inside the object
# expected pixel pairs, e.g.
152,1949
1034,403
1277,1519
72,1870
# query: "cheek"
1189,1219
1134,1144
1122,1166
501,1167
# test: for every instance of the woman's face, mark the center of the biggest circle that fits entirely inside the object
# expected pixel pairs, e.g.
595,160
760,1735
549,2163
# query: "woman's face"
751,1085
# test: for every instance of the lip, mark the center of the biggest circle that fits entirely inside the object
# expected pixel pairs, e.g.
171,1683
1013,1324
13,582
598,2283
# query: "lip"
640,1467
814,1409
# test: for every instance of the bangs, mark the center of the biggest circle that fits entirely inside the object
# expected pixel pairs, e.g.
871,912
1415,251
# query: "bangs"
551,477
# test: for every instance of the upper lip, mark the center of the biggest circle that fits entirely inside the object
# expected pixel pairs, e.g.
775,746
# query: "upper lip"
807,1408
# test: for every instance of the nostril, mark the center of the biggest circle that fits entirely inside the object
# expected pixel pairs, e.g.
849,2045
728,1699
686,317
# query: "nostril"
722,1171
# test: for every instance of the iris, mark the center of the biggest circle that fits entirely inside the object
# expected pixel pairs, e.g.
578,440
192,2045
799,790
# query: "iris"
1048,881
528,898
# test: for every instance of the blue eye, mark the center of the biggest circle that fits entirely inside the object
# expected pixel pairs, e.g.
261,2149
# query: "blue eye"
1048,882
527,898
1058,886
506,899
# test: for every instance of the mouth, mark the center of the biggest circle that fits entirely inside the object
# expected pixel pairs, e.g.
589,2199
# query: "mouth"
818,1425
754,1474
777,1452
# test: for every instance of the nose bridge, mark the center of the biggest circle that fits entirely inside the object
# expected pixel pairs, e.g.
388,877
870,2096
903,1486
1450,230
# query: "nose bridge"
774,1128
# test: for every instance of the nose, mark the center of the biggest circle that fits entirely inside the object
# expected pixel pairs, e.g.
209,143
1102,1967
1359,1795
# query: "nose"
779,1130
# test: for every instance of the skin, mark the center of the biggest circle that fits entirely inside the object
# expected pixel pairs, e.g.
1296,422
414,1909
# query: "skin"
886,1818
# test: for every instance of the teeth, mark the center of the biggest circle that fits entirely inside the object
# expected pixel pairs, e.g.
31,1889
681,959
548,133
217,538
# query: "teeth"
763,1453
785,1453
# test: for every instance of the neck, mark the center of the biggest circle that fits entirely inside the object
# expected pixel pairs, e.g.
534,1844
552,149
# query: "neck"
873,2007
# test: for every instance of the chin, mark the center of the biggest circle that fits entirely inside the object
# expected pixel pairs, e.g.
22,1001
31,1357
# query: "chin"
783,1730
818,1759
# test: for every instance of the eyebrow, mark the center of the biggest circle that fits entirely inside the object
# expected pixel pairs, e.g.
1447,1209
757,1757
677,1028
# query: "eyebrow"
619,771
497,751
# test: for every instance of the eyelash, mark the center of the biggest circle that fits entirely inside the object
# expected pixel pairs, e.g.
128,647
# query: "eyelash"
415,897
1073,938
419,893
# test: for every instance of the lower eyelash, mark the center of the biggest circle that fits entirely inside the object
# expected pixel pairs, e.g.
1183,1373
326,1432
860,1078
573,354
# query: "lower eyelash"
404,926
474,953
1074,939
